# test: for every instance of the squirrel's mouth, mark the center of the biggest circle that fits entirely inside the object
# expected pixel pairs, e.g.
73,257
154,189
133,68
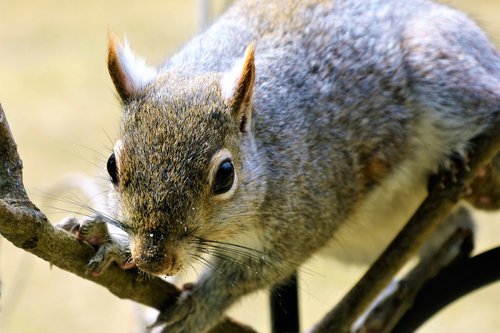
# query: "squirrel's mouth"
163,265
156,259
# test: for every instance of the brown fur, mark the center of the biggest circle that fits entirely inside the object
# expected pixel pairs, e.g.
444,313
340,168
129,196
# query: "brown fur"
122,85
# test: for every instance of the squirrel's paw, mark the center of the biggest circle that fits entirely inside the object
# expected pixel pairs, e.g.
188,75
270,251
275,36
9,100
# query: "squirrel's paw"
484,192
94,231
186,315
449,172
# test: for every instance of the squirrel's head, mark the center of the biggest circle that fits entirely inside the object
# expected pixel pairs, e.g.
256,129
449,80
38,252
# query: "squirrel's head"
184,168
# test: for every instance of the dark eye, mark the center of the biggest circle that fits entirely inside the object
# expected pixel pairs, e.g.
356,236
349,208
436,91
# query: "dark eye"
112,170
224,177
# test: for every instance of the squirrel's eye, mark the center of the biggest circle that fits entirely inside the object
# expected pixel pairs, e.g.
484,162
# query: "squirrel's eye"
224,177
112,170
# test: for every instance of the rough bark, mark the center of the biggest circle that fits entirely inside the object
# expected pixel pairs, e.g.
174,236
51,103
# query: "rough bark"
23,224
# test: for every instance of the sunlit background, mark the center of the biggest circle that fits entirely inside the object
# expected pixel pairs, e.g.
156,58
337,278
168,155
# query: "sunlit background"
64,115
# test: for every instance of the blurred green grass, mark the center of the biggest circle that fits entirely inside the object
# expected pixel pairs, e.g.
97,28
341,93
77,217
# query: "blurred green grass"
64,115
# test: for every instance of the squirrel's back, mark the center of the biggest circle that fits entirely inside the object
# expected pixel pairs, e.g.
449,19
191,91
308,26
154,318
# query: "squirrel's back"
346,81
345,64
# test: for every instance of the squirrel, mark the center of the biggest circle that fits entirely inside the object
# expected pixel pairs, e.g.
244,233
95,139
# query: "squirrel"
284,128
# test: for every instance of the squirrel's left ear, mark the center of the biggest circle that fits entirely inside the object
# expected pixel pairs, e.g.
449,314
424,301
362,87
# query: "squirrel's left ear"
237,88
129,73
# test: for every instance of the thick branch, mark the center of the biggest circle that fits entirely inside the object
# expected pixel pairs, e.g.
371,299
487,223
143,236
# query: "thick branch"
22,223
433,210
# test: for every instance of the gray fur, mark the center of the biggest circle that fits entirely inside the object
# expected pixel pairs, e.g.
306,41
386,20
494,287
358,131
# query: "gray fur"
348,94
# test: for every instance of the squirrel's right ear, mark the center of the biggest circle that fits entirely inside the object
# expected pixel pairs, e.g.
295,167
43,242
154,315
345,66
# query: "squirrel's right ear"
237,88
129,73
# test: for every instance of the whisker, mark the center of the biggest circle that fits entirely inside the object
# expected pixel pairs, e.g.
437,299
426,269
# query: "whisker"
83,159
251,254
228,254
112,142
205,263
227,258
93,150
94,212
218,249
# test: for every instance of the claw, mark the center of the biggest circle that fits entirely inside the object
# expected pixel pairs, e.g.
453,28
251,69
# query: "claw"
70,224
188,286
94,231
485,190
128,264
449,173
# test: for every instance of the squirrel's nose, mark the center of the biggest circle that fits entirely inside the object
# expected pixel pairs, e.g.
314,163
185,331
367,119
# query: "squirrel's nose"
157,263
154,257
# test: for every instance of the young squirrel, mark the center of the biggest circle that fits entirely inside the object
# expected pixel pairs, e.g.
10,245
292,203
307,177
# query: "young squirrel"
325,132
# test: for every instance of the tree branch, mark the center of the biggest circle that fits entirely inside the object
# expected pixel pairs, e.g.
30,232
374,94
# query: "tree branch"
23,224
450,284
431,212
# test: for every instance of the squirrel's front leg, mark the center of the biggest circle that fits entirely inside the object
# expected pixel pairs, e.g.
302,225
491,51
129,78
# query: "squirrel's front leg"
199,307
202,305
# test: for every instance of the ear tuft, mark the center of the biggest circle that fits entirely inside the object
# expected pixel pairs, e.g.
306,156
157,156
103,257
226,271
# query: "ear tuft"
237,87
129,73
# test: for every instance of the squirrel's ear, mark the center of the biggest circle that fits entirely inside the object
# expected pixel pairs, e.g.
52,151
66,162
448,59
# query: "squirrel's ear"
129,73
237,88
